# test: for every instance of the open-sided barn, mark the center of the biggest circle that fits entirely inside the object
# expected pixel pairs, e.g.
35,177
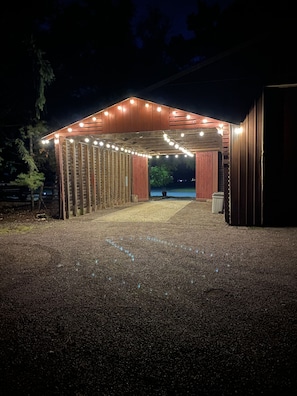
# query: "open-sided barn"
244,101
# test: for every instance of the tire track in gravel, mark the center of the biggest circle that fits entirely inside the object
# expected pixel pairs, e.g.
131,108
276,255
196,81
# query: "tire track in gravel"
28,255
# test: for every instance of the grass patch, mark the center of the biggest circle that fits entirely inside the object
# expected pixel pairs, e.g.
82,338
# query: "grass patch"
15,229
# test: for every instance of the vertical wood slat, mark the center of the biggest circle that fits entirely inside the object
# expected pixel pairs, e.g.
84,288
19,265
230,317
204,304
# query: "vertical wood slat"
116,181
112,178
67,178
125,175
93,178
129,172
107,178
81,178
103,173
88,178
121,177
74,179
99,178
60,172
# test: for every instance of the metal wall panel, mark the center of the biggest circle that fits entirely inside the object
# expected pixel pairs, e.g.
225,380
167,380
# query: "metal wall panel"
246,153
280,165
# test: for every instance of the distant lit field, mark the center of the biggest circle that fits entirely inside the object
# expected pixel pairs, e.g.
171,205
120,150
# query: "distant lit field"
182,189
179,189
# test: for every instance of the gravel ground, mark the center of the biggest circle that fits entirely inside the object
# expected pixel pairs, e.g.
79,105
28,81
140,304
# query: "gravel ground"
124,302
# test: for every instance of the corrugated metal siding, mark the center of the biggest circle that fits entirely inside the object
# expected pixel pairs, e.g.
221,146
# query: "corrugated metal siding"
263,162
280,164
226,172
246,170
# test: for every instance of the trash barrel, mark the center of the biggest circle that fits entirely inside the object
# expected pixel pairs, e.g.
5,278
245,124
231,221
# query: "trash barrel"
217,202
134,198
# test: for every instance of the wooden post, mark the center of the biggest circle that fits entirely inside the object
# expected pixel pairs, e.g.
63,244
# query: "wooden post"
60,173
81,177
74,179
67,180
88,178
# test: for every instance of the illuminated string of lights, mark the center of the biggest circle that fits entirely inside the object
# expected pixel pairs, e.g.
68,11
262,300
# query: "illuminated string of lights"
102,144
172,143
95,121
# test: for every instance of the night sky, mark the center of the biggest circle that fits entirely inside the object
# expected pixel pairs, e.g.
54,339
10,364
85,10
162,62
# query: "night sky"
177,12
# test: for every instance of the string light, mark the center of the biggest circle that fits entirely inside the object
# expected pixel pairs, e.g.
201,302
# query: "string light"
171,142
220,131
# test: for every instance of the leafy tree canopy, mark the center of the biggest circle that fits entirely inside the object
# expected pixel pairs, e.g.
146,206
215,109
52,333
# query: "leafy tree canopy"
160,176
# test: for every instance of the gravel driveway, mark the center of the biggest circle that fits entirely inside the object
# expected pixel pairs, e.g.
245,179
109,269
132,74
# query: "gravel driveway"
157,298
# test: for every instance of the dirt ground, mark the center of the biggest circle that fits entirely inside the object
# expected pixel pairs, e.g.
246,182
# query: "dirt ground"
156,298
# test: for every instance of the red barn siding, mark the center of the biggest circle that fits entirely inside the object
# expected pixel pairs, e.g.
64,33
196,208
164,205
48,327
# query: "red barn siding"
207,168
92,177
140,177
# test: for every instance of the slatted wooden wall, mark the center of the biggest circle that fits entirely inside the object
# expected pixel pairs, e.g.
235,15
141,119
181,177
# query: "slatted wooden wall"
93,178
